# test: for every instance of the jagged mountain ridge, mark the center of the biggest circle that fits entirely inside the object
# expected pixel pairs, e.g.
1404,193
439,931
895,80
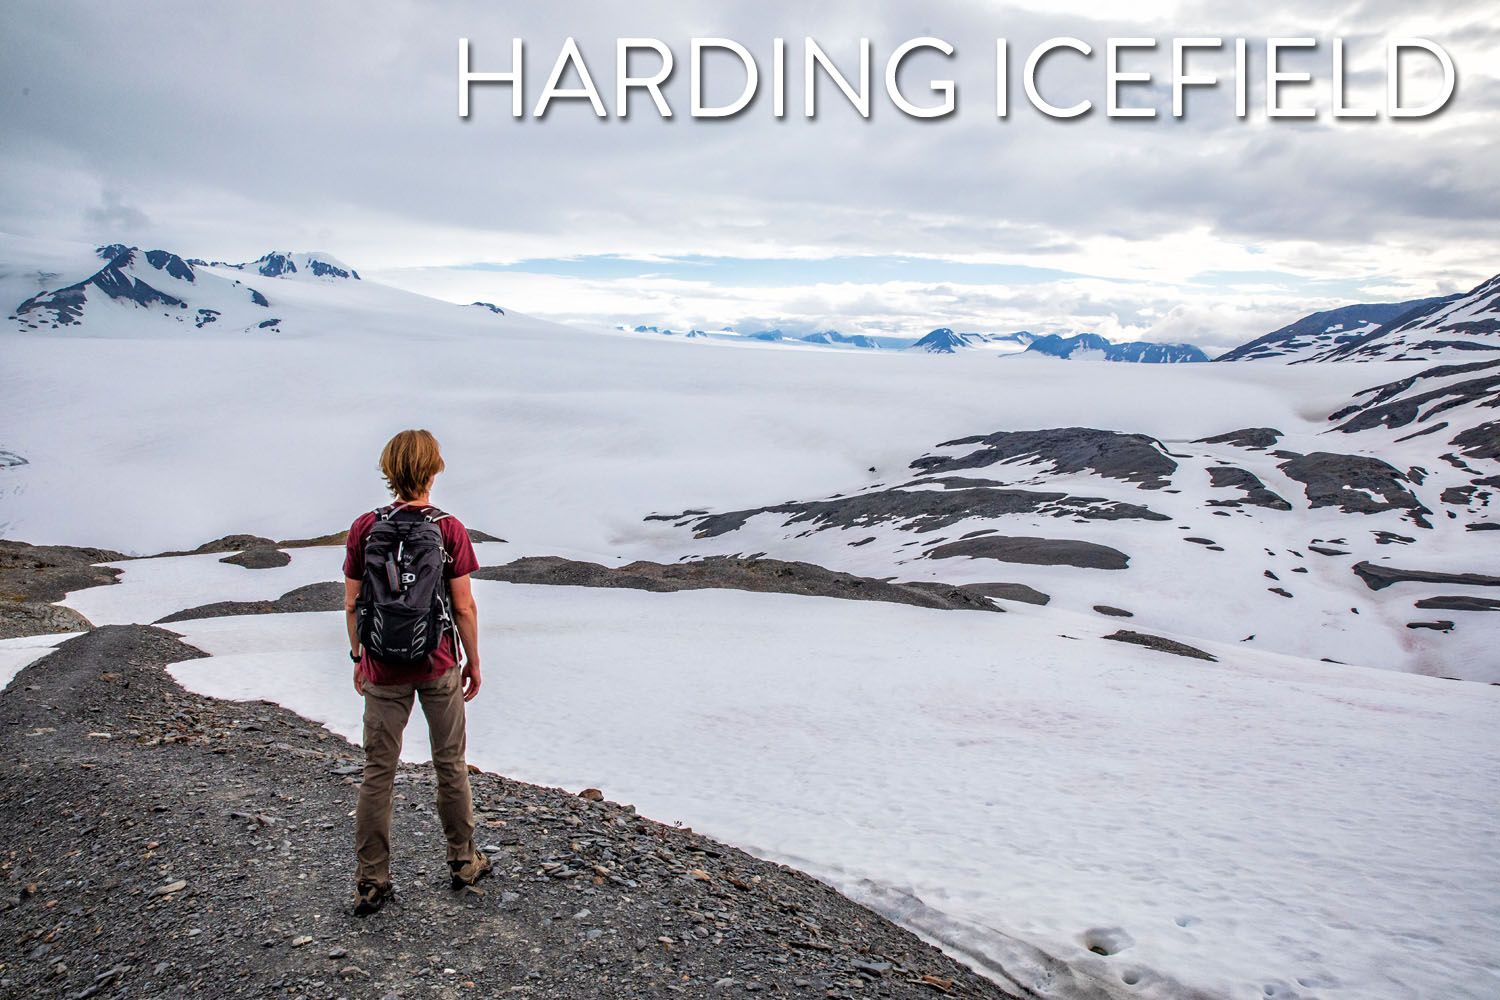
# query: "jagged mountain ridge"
1466,325
154,282
1447,327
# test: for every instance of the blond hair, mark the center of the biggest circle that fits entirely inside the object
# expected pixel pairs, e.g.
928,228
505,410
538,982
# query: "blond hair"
410,462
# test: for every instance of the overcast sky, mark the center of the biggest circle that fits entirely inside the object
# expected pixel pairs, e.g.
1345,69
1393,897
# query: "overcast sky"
225,130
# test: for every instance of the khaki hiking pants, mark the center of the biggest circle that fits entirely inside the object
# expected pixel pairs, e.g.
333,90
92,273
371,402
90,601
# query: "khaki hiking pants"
387,707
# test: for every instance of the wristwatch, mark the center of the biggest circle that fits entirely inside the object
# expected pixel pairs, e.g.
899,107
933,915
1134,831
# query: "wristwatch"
354,656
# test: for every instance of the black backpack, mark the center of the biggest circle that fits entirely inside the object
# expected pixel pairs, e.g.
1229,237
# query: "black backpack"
403,606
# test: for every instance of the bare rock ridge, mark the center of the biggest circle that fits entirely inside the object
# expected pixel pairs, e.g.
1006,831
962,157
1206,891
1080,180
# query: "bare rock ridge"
726,572
1134,458
33,576
166,844
327,596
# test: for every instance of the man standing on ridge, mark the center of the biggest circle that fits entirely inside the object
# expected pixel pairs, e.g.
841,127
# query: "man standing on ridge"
408,604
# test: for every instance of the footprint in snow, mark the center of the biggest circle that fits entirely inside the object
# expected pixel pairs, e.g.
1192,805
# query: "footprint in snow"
1107,940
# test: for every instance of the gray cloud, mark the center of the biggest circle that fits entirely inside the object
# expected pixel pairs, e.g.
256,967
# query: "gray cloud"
326,125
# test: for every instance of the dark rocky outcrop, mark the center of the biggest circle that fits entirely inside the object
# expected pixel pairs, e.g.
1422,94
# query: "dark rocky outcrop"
1331,479
33,576
1378,576
924,510
1133,458
1253,438
260,557
773,576
1479,441
1458,603
1034,551
1253,492
313,597
1017,592
1105,609
1162,645
1390,405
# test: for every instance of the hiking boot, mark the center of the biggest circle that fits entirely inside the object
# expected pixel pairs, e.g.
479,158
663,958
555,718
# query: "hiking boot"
371,896
466,873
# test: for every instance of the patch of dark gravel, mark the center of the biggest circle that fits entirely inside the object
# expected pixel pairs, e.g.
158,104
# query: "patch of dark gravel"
313,597
760,575
1480,441
226,543
924,510
1458,603
1105,609
1253,492
1347,482
1034,551
1254,438
1160,644
262,557
1134,458
33,576
1017,592
163,844
1378,576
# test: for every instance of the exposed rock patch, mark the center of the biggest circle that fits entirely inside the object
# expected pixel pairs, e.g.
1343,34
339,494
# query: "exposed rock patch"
1018,592
263,557
1480,441
1035,551
1355,484
1458,603
924,510
33,576
1253,492
1252,438
1395,405
1162,645
774,576
1133,458
1378,576
313,597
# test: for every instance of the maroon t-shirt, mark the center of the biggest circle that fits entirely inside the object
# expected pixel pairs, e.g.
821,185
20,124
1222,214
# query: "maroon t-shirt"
461,562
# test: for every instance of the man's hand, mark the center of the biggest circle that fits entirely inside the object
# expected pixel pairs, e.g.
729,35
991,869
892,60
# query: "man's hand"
359,683
471,679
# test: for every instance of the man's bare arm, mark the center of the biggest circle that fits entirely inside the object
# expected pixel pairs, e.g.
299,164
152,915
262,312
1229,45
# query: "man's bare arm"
466,616
351,620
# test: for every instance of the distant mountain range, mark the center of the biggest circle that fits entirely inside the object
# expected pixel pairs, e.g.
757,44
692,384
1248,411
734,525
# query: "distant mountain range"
117,290
945,341
146,292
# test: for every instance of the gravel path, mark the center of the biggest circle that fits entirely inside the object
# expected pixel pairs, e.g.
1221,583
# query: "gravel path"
158,843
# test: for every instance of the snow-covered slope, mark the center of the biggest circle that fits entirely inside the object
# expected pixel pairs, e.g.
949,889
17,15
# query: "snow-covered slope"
1451,328
1461,327
1322,330
126,291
